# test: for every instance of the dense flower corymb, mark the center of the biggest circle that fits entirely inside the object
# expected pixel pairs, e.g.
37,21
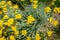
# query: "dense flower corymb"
53,22
15,6
49,33
2,38
24,32
28,38
47,9
9,3
5,17
9,22
56,9
12,37
30,19
37,37
18,16
35,6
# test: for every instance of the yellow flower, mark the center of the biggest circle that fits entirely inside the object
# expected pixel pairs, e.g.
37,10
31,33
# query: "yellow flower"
16,33
38,37
49,33
35,6
2,2
2,38
23,0
1,31
13,28
50,19
1,23
4,5
9,22
52,3
18,16
9,3
59,10
55,9
31,0
0,12
4,9
12,37
24,32
54,23
28,38
30,19
35,1
15,6
5,17
47,9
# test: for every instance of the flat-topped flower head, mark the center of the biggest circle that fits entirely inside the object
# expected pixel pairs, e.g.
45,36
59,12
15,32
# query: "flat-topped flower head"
15,6
2,38
4,9
0,12
2,2
18,16
24,32
56,9
9,22
35,6
47,9
28,38
49,33
22,0
1,23
55,23
9,3
30,19
38,37
51,19
5,17
12,37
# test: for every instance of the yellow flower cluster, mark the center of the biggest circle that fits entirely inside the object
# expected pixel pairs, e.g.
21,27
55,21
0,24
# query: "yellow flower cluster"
1,23
34,5
9,3
18,16
12,37
53,1
49,33
38,37
5,17
28,38
47,9
24,32
2,38
9,22
53,22
15,6
22,0
30,19
15,30
57,10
